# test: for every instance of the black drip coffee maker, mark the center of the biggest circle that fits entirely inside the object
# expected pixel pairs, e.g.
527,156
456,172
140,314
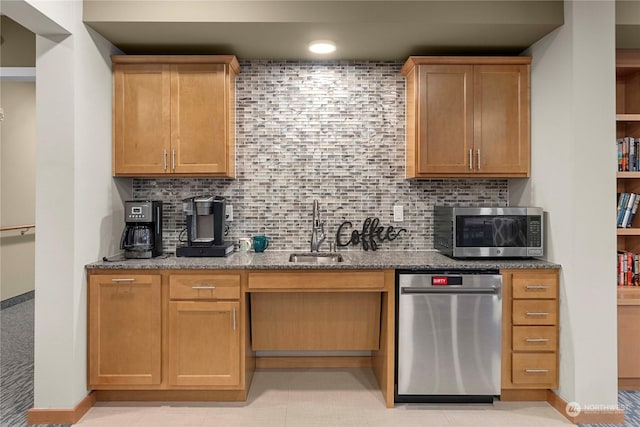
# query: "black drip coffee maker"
142,235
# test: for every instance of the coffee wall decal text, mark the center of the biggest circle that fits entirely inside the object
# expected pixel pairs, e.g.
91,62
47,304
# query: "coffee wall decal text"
371,234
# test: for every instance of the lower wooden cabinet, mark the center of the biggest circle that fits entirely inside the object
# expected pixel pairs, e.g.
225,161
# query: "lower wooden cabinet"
172,332
204,343
125,329
628,338
529,330
535,338
188,331
534,312
534,369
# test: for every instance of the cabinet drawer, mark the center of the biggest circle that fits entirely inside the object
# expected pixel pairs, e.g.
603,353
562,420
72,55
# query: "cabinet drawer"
535,312
535,338
535,285
311,280
534,369
204,286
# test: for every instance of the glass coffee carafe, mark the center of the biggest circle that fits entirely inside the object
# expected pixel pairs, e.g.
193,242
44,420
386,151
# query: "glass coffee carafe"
137,238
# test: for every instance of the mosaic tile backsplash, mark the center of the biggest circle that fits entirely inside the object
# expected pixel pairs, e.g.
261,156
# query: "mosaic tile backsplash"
326,131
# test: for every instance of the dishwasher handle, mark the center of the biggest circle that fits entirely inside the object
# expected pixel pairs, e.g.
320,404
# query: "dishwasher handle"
451,291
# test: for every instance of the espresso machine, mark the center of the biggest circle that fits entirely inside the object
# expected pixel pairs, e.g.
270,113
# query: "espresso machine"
142,235
205,217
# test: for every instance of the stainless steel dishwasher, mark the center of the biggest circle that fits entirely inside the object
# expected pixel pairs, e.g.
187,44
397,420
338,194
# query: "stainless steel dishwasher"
448,335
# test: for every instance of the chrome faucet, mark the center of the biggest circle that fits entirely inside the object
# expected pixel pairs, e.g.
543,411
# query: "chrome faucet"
317,229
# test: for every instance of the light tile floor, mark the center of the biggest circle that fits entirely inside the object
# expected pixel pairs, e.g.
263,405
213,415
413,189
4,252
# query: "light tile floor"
328,397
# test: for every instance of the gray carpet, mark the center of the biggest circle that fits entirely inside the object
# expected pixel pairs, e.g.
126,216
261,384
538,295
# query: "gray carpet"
16,365
630,402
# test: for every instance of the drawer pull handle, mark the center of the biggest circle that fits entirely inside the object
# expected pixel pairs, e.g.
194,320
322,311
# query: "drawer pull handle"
537,313
537,287
234,318
537,339
128,279
203,287
536,371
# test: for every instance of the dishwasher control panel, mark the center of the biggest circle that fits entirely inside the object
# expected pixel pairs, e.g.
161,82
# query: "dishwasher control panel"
446,280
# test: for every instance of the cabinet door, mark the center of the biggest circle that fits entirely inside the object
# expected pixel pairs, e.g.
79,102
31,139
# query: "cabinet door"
141,119
501,119
628,341
445,119
125,327
204,343
199,118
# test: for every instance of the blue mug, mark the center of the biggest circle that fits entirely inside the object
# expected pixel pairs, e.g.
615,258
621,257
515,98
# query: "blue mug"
260,243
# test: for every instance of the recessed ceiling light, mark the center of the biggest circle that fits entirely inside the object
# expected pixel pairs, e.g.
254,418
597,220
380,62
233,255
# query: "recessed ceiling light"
322,46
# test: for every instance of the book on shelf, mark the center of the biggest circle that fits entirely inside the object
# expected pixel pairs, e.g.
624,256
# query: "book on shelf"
628,268
628,154
627,208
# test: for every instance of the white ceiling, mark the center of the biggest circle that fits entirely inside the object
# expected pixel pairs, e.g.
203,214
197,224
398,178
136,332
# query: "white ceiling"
362,30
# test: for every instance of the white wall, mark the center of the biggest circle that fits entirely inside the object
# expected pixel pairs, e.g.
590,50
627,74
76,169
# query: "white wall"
78,204
573,179
17,192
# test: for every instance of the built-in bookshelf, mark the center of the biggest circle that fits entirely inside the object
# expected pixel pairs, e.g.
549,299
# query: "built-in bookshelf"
628,196
628,144
628,233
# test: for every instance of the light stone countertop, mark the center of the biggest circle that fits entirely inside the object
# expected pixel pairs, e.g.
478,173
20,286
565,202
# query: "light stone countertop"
275,260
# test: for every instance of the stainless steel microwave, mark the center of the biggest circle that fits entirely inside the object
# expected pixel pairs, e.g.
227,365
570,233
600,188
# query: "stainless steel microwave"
489,232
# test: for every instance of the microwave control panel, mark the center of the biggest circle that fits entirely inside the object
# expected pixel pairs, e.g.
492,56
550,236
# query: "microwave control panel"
535,231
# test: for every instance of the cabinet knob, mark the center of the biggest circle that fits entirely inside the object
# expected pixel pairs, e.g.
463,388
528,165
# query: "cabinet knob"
536,339
124,279
203,287
537,313
536,371
537,287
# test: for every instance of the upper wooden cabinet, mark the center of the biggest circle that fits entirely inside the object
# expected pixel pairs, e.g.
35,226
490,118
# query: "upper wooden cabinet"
174,115
467,117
